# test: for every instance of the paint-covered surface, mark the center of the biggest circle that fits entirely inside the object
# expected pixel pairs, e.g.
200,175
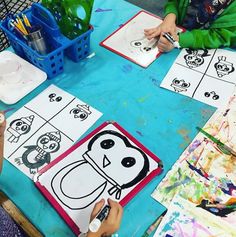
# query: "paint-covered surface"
161,120
204,174
184,219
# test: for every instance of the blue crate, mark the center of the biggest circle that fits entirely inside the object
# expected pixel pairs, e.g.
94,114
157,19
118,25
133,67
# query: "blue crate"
57,44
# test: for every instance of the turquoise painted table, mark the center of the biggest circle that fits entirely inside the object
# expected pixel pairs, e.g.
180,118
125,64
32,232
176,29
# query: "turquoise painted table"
162,120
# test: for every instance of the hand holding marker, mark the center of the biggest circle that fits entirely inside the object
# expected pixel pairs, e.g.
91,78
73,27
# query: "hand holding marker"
171,40
100,217
105,219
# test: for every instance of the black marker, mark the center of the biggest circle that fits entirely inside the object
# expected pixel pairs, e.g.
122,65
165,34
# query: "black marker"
171,40
97,221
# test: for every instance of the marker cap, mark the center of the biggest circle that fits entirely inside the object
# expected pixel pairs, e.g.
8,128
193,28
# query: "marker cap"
95,225
176,44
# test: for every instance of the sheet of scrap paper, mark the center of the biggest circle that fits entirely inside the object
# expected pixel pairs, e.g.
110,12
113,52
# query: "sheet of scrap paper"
184,219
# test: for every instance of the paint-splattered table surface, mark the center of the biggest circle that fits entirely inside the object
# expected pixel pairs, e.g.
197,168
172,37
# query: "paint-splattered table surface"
123,91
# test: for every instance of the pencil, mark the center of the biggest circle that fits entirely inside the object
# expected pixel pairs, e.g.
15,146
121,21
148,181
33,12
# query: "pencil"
154,225
224,148
17,29
26,20
21,25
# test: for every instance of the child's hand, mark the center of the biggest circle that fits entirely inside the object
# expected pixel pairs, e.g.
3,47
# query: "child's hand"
164,45
2,124
112,223
168,26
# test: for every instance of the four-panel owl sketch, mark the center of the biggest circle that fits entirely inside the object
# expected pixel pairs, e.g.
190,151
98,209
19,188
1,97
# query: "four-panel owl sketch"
36,134
202,73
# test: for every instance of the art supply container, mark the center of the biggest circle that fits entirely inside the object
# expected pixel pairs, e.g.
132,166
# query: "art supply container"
36,40
46,47
72,16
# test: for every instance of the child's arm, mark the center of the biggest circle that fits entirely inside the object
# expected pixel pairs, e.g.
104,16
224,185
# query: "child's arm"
112,222
168,26
2,129
211,38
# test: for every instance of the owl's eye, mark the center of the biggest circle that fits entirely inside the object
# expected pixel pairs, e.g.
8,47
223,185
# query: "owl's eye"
107,144
52,146
185,85
52,95
189,57
128,162
59,98
18,123
176,81
137,43
83,115
24,128
75,111
44,140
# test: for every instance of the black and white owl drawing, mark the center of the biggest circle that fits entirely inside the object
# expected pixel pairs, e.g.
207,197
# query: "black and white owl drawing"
37,155
223,67
19,127
54,97
111,161
195,58
144,45
81,112
180,85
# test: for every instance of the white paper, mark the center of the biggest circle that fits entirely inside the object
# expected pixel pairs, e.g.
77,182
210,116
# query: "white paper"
184,219
45,127
130,41
108,165
205,75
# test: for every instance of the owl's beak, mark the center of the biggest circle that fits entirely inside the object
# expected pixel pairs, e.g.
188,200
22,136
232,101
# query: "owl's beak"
106,161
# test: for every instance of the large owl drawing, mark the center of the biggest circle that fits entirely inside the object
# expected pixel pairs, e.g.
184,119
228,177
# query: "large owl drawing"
37,155
112,162
19,127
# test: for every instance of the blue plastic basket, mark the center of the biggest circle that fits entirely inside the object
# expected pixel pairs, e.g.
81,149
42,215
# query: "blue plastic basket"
53,62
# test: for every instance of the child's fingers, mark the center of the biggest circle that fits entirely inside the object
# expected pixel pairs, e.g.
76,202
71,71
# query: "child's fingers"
2,124
2,118
163,40
114,209
98,206
120,212
152,33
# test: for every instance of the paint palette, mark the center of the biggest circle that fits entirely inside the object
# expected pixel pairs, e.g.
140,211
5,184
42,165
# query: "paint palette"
17,77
